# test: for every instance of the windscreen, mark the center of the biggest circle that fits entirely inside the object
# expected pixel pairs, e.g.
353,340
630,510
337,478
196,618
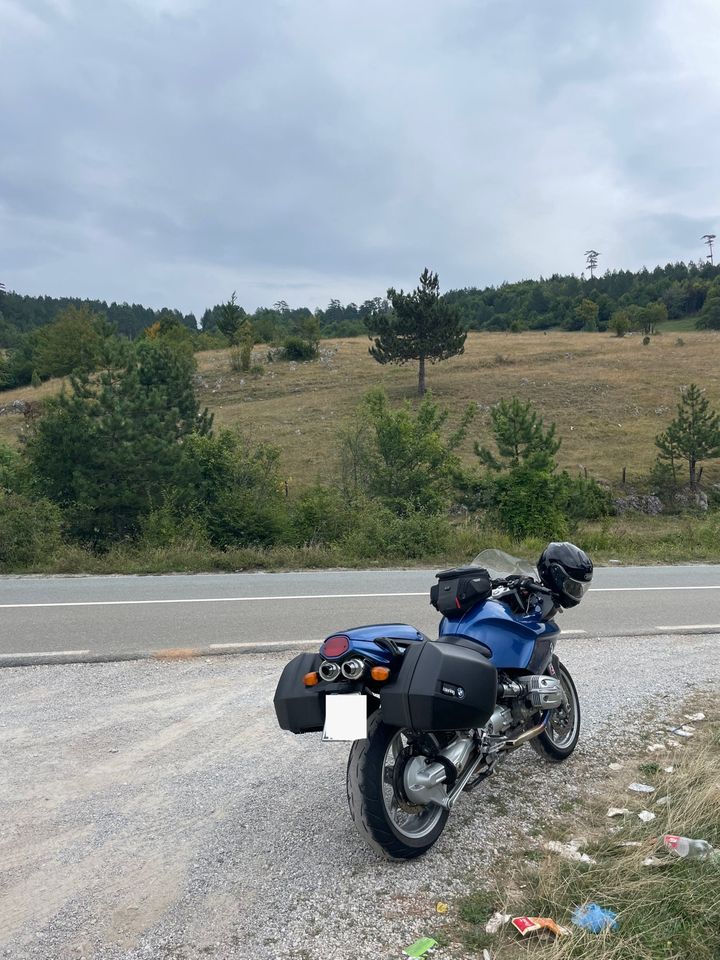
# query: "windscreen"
501,564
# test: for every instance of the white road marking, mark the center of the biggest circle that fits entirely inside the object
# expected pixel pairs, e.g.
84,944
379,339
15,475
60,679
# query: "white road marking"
309,596
692,626
121,603
46,653
643,589
263,643
570,633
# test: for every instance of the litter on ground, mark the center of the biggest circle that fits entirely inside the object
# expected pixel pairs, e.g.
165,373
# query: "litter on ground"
496,921
641,788
694,717
441,907
617,811
669,769
594,918
525,925
569,851
646,816
420,947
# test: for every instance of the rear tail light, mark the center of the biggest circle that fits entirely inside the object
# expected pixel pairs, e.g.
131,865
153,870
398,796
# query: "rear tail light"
335,646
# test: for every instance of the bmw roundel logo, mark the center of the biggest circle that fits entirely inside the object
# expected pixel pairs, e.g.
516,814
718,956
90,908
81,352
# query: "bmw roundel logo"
460,693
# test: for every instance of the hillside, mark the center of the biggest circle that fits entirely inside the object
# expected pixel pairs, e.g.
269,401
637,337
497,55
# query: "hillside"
609,396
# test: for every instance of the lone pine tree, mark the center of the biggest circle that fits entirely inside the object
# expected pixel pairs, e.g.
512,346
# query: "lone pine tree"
694,434
420,327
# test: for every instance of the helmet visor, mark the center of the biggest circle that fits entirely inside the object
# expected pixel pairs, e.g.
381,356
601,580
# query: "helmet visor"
575,588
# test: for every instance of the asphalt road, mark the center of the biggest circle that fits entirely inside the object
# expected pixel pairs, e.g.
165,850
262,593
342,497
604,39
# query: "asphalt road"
51,616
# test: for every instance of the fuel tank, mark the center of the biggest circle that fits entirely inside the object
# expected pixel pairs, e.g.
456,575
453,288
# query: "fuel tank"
513,642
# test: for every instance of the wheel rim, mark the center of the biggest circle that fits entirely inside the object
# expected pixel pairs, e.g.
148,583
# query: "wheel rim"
562,725
411,821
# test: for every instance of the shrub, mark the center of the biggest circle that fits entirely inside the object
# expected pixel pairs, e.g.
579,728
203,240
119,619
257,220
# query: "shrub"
30,530
378,532
233,490
295,348
320,515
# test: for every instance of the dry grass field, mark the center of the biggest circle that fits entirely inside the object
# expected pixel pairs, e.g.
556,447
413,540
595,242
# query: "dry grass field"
608,396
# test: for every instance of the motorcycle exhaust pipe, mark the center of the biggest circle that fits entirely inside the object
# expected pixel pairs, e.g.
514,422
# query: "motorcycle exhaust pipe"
353,669
329,671
525,736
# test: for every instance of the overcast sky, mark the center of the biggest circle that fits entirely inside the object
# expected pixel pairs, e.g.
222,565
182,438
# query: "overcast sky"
170,151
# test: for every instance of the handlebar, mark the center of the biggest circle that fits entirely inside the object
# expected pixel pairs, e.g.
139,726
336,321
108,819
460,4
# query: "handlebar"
524,583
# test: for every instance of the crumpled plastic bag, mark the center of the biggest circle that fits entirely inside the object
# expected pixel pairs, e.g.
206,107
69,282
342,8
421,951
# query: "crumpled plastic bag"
593,917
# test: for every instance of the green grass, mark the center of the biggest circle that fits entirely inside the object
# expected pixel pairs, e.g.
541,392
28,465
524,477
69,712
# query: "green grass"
665,913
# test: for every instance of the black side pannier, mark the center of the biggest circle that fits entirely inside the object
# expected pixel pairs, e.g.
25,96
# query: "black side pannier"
299,708
440,686
460,589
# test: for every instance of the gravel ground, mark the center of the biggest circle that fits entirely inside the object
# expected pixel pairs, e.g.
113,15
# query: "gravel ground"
155,810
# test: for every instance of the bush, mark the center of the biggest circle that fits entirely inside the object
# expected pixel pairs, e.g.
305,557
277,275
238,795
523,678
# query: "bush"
295,348
320,515
233,491
378,532
527,503
30,530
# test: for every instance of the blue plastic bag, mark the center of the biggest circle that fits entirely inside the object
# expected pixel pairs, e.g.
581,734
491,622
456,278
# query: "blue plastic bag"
594,918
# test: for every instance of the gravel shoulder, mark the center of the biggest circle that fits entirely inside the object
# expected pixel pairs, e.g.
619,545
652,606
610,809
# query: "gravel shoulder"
154,809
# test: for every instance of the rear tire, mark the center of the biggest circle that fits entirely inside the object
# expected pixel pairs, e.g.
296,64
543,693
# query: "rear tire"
383,818
561,735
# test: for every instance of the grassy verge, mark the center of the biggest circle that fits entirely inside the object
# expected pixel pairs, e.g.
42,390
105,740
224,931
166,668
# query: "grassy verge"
628,539
667,911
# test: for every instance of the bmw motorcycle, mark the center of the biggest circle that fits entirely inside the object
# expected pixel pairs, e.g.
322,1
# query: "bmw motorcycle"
431,719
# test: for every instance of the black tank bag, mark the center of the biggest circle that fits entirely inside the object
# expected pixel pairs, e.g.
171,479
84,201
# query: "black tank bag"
460,589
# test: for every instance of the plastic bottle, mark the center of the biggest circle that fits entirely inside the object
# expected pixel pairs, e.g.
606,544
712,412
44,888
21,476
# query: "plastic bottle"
687,848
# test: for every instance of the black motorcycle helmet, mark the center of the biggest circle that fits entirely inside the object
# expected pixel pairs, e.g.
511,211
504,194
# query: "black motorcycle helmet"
567,571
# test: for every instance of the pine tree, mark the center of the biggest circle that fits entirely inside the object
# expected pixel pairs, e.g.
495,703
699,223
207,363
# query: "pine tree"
520,437
694,434
109,450
230,317
420,327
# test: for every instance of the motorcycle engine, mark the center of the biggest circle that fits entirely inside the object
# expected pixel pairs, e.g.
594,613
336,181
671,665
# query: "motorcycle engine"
522,697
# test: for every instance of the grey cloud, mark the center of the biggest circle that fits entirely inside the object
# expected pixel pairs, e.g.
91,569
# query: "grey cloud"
171,151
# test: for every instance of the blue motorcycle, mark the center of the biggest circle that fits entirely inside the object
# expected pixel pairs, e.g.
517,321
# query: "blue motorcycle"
431,719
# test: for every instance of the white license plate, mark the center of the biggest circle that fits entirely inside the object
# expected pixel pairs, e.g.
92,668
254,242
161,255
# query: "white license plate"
345,716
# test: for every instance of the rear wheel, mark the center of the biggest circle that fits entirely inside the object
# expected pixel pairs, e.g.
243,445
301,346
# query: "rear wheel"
561,735
382,814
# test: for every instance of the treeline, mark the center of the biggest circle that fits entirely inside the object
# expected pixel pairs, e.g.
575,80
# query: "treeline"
619,300
681,289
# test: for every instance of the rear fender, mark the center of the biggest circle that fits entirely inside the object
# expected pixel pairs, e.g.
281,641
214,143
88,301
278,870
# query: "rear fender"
364,641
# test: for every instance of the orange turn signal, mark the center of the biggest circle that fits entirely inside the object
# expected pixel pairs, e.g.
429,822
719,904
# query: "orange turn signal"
380,673
311,679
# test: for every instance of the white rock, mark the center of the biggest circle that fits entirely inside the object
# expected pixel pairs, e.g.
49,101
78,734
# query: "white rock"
656,747
615,766
646,816
617,811
669,769
694,716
